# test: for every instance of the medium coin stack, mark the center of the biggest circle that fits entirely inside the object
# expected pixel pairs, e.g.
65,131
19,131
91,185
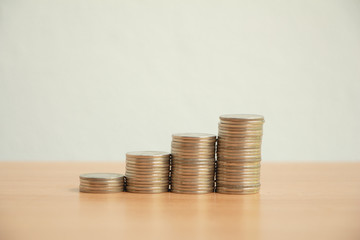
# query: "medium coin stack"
239,153
101,182
147,172
193,162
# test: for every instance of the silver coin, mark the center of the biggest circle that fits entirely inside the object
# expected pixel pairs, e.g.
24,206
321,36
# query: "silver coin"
147,175
120,180
244,171
86,184
92,190
239,185
236,170
240,128
178,178
242,117
240,132
194,135
101,176
238,191
150,172
192,145
244,131
193,167
191,192
182,172
245,150
239,143
234,181
239,139
135,181
237,174
205,175
198,170
148,167
239,157
148,163
193,164
147,160
193,155
240,125
197,182
148,153
194,150
187,186
137,188
95,191
147,178
238,147
193,160
101,187
146,191
192,187
150,186
177,154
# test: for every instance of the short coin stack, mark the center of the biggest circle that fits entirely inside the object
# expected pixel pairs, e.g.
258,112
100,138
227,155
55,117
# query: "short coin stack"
239,153
101,182
193,163
147,171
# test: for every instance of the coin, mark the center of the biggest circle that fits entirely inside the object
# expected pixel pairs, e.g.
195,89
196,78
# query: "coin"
239,153
147,171
242,117
182,191
101,176
101,182
102,185
193,162
149,154
237,191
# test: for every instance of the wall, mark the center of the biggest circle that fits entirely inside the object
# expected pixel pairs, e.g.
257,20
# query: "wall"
91,80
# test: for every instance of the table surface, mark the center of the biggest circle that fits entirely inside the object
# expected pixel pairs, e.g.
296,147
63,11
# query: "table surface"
297,201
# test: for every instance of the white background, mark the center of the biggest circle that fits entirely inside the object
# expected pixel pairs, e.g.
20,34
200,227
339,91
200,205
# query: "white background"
91,80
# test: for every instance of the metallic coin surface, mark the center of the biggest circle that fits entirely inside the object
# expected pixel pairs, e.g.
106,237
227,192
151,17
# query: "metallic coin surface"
193,162
241,117
101,182
147,171
239,153
149,154
101,176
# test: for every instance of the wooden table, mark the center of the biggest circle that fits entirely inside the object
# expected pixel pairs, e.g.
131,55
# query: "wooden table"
297,201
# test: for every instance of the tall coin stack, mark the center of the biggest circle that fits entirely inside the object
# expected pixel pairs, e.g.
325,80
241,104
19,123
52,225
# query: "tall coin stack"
101,182
193,162
239,153
147,171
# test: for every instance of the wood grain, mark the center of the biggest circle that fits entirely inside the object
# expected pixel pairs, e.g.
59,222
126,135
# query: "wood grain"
297,201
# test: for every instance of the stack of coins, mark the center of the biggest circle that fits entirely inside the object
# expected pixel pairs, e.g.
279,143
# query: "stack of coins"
239,153
101,182
147,171
193,163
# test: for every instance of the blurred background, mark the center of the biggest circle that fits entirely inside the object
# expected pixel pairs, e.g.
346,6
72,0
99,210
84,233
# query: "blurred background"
92,80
